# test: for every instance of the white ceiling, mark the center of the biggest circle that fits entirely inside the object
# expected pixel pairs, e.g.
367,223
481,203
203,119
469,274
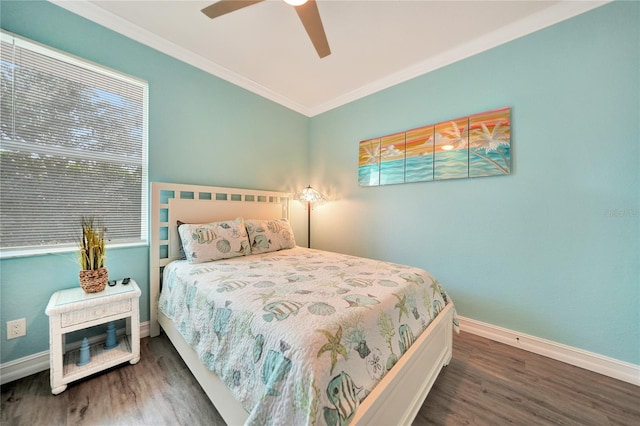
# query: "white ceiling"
375,44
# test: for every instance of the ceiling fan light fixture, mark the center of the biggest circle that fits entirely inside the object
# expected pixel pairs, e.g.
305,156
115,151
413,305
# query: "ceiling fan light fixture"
307,11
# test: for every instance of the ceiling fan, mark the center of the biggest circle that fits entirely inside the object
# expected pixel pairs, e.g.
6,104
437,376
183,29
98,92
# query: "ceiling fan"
307,12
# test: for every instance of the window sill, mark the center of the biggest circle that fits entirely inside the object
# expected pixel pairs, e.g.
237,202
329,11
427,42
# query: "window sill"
43,251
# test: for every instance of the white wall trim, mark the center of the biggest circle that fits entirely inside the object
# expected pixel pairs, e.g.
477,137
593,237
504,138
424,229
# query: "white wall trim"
109,20
552,15
32,364
607,366
627,372
23,367
545,18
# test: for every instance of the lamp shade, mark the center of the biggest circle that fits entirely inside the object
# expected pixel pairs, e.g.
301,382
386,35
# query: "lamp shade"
309,195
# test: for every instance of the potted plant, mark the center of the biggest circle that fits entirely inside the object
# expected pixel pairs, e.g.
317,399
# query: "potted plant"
93,274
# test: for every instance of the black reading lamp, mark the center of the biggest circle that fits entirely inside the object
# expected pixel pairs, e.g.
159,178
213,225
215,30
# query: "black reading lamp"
309,196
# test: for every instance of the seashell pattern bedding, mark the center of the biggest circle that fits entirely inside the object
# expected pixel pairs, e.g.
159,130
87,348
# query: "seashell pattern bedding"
300,336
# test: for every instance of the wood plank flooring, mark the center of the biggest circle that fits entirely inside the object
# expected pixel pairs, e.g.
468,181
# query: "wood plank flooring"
490,383
158,390
486,383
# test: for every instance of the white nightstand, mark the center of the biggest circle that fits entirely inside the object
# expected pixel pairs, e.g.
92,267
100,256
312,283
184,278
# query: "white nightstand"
73,309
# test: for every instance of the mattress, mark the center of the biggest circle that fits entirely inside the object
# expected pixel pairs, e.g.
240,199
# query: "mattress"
300,336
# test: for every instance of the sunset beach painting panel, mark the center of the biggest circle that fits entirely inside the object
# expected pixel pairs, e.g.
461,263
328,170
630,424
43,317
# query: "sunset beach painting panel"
490,143
473,146
369,162
451,149
392,149
419,155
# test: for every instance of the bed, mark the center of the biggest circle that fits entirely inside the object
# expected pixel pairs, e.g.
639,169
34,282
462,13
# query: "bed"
369,338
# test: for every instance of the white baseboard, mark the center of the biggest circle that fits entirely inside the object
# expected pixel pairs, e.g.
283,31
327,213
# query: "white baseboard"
627,372
23,367
611,367
31,364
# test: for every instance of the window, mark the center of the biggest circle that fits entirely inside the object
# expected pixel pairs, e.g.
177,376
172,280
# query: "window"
73,143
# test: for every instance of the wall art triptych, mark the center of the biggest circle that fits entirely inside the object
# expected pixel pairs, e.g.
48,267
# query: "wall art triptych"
474,146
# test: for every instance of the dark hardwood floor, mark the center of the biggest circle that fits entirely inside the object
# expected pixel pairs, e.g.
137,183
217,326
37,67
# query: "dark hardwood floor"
486,383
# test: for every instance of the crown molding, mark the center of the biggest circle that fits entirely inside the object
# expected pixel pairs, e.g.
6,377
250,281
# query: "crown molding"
543,19
552,15
113,22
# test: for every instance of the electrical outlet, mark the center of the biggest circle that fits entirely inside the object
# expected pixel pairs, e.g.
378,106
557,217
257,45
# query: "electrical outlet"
16,328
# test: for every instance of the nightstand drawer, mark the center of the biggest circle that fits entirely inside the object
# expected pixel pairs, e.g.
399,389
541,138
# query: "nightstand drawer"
68,319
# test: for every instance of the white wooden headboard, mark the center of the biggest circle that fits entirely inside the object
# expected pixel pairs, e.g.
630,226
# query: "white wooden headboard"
171,202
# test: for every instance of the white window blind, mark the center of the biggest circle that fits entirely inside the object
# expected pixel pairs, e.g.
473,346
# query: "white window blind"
73,143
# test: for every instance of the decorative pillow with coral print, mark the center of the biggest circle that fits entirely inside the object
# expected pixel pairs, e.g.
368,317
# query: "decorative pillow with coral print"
214,241
269,235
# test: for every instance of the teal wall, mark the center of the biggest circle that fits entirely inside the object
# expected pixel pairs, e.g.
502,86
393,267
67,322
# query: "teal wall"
202,130
537,251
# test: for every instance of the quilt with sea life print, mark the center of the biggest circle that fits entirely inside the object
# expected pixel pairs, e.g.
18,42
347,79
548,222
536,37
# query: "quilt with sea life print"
300,336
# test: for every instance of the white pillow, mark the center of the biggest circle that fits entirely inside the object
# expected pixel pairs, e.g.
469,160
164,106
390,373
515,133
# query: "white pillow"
269,235
214,241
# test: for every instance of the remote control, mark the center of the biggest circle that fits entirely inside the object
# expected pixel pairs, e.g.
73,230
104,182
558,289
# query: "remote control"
126,281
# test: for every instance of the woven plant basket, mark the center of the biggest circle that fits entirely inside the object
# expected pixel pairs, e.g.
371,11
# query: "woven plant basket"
94,281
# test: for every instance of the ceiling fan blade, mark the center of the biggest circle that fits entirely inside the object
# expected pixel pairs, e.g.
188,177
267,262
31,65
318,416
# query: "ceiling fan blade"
310,18
222,7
